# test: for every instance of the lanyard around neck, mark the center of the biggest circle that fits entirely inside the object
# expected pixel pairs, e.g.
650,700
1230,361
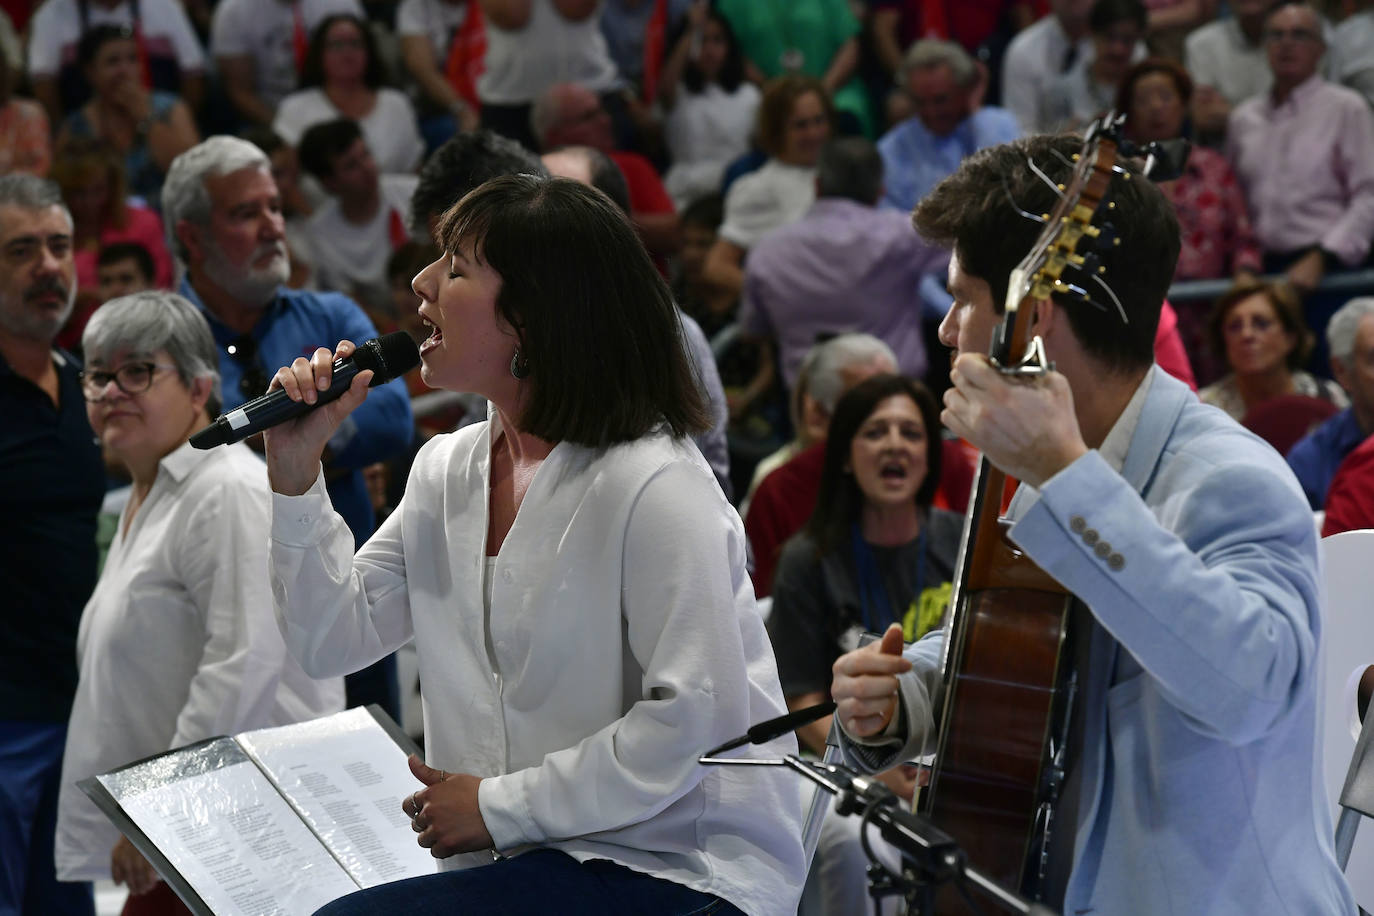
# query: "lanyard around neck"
875,604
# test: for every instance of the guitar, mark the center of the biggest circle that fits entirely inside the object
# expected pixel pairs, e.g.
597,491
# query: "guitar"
1007,666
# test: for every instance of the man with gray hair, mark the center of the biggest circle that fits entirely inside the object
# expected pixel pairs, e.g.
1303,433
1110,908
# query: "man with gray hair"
945,86
844,266
54,484
786,497
1316,456
224,221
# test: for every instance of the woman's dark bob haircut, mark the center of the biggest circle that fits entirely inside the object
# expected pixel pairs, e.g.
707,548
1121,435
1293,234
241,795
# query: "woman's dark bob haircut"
594,319
839,500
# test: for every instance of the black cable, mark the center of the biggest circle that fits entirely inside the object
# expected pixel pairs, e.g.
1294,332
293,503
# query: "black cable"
865,821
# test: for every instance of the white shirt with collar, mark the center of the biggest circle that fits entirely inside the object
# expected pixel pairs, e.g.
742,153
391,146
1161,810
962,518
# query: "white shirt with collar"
622,641
1034,59
178,642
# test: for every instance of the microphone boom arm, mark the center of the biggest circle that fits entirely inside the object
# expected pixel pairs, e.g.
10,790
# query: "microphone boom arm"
932,852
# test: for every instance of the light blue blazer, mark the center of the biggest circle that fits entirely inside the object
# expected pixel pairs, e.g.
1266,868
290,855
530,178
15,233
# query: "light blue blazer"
1200,790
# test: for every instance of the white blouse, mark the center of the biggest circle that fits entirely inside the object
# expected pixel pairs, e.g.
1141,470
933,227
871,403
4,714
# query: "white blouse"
623,642
178,642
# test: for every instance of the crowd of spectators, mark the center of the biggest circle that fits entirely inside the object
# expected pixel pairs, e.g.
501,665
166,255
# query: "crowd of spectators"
769,155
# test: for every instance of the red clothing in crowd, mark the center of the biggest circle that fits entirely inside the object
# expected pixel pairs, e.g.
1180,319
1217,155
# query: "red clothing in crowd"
1169,351
1350,501
970,24
1213,220
143,226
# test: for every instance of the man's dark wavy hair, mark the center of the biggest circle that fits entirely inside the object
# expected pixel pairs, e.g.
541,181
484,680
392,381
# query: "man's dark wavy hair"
976,212
461,164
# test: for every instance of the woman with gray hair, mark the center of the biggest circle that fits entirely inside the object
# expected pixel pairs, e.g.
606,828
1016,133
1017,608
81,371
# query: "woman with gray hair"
185,583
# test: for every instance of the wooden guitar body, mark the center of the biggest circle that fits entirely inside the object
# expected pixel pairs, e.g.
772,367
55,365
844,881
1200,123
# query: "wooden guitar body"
1005,704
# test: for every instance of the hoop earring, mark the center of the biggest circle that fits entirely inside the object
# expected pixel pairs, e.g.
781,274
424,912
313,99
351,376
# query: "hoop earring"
519,366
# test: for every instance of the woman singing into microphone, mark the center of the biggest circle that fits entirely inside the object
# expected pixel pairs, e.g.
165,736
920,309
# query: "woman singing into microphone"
572,576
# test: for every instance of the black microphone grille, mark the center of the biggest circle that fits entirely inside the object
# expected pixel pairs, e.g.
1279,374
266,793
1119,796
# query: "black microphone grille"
389,356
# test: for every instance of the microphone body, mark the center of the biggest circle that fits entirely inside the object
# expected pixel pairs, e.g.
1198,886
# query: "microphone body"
388,357
776,728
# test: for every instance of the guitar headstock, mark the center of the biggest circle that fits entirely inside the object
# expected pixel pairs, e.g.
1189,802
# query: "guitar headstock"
1075,231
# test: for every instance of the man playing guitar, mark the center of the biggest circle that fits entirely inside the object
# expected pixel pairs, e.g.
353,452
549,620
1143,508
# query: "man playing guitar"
1188,772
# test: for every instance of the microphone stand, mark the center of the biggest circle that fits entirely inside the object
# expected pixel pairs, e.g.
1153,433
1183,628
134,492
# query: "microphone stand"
933,854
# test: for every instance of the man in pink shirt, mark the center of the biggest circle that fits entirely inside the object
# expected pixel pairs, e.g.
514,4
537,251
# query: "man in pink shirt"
1304,153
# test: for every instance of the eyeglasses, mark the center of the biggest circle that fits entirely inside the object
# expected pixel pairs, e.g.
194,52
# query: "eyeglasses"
253,381
133,378
1274,36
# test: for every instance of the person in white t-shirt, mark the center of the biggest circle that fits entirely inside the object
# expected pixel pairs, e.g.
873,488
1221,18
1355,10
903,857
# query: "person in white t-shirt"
364,219
175,59
343,78
794,122
535,44
426,30
259,48
711,106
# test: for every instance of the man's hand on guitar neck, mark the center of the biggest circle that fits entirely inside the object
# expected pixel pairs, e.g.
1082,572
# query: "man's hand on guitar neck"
1025,426
865,684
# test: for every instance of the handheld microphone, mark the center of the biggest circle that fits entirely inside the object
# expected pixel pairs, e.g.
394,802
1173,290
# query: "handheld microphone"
389,356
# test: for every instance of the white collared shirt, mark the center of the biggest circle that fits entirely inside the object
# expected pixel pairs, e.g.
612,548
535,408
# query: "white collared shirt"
178,642
623,641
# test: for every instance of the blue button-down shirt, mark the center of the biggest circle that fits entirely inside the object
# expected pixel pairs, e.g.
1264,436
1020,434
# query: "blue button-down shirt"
294,324
1316,456
914,159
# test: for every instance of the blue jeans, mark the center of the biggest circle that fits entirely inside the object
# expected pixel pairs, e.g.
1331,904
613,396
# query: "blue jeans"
537,883
30,772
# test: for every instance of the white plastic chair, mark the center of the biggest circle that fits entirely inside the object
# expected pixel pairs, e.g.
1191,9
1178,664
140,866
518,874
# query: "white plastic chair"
1347,649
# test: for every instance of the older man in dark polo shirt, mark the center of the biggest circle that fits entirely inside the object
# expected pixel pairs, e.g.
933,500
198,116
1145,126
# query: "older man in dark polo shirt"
54,483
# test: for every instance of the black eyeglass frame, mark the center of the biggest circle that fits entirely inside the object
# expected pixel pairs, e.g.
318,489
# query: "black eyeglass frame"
95,382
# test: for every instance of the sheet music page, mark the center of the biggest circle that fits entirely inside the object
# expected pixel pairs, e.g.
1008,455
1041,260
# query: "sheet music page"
232,836
347,777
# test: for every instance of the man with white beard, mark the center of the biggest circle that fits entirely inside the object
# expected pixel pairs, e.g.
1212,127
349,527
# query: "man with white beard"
224,222
54,483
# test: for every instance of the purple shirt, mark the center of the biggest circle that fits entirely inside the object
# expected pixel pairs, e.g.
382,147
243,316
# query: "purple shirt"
1307,167
842,267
